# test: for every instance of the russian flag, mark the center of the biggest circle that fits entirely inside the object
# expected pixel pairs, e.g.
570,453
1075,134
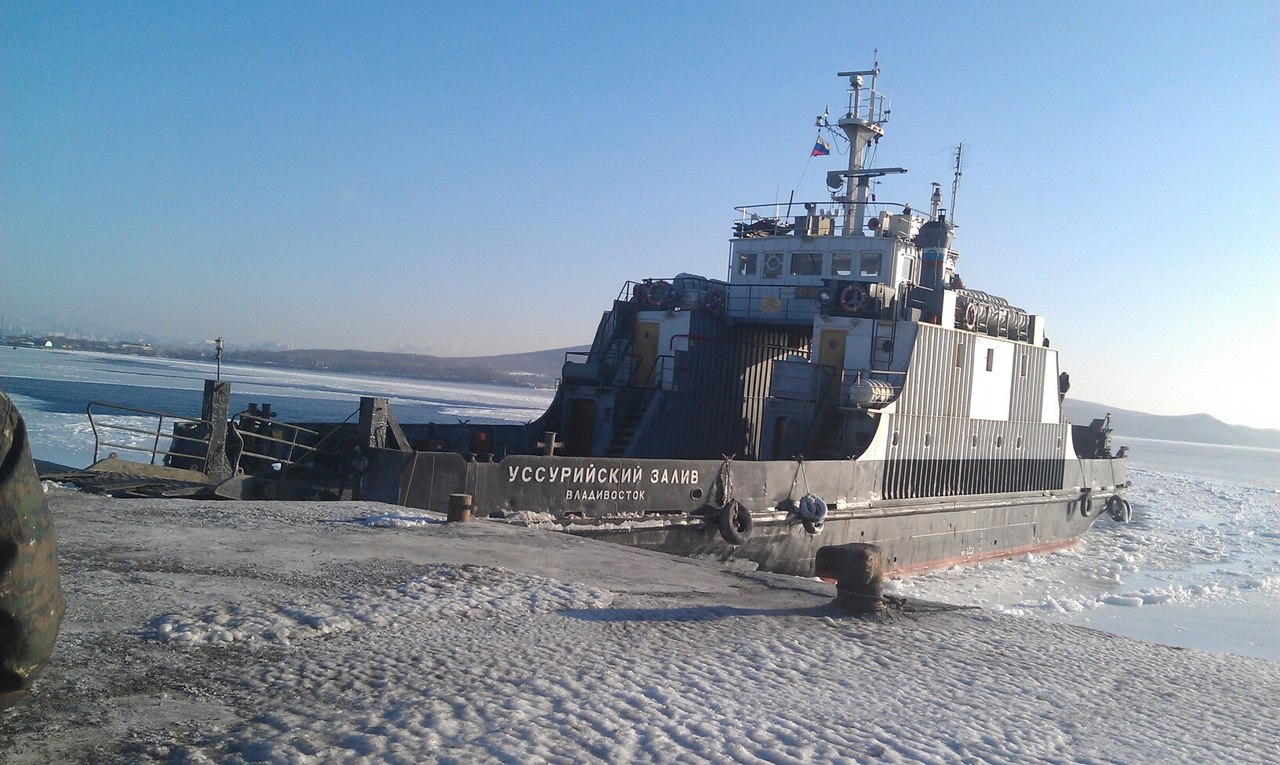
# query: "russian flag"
820,148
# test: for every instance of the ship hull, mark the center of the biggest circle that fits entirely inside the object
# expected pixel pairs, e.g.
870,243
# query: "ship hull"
673,506
914,539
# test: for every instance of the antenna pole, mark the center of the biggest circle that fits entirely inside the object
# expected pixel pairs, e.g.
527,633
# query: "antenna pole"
955,182
861,129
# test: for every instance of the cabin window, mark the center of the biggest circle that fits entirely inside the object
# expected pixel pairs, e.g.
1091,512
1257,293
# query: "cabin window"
1024,365
1018,444
991,359
973,440
999,441
806,264
842,264
959,354
747,263
928,440
894,441
870,264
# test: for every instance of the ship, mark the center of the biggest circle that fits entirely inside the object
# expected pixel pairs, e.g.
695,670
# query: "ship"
841,384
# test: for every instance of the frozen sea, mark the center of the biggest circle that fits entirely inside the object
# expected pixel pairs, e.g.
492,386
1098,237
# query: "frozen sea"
1198,567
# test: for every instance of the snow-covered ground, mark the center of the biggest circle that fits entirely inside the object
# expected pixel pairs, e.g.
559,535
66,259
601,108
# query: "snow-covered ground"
338,632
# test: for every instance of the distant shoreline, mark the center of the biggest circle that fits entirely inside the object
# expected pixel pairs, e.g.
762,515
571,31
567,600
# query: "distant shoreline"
1268,449
541,370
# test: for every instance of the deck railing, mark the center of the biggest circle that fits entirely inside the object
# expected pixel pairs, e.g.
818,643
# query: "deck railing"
104,430
258,433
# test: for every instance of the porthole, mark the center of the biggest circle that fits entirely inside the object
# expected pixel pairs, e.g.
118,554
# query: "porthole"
695,494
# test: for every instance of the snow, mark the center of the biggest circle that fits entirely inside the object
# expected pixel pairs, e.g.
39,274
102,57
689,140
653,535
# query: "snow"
1196,550
237,632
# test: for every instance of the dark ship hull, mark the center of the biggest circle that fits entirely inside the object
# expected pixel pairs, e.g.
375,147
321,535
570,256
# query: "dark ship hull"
672,506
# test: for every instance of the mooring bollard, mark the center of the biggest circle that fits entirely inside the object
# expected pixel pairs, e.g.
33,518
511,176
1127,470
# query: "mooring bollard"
858,570
459,508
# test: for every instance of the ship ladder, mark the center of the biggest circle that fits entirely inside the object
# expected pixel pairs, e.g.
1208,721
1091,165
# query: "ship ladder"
884,334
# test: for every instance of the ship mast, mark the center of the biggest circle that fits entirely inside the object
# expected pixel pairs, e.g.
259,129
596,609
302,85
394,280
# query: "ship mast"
862,124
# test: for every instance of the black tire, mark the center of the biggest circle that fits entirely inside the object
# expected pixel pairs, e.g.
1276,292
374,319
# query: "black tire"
735,523
1119,509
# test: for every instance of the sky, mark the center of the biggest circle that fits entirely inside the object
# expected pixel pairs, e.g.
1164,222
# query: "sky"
481,178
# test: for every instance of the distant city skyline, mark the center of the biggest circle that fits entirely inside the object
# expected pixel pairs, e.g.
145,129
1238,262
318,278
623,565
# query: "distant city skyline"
472,179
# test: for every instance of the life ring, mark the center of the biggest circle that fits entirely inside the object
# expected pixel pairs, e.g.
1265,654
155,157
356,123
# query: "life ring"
773,264
854,298
658,294
735,523
1120,509
713,302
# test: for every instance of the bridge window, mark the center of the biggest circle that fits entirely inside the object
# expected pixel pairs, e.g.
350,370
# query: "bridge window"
842,264
870,264
806,264
747,263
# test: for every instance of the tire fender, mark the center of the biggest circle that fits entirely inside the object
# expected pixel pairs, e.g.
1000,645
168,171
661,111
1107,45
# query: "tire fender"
1119,509
735,523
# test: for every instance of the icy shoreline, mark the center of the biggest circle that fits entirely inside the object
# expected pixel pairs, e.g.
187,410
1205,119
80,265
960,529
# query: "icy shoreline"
287,632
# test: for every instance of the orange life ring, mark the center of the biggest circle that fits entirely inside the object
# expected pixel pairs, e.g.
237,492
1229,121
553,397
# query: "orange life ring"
854,298
658,295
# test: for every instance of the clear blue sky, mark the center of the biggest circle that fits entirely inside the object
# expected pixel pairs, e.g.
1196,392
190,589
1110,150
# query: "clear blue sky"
475,178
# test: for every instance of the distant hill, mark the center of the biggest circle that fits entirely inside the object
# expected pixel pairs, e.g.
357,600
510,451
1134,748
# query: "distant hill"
1196,428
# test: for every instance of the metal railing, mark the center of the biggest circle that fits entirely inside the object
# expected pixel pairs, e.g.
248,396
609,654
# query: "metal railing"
155,434
778,303
251,430
793,218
